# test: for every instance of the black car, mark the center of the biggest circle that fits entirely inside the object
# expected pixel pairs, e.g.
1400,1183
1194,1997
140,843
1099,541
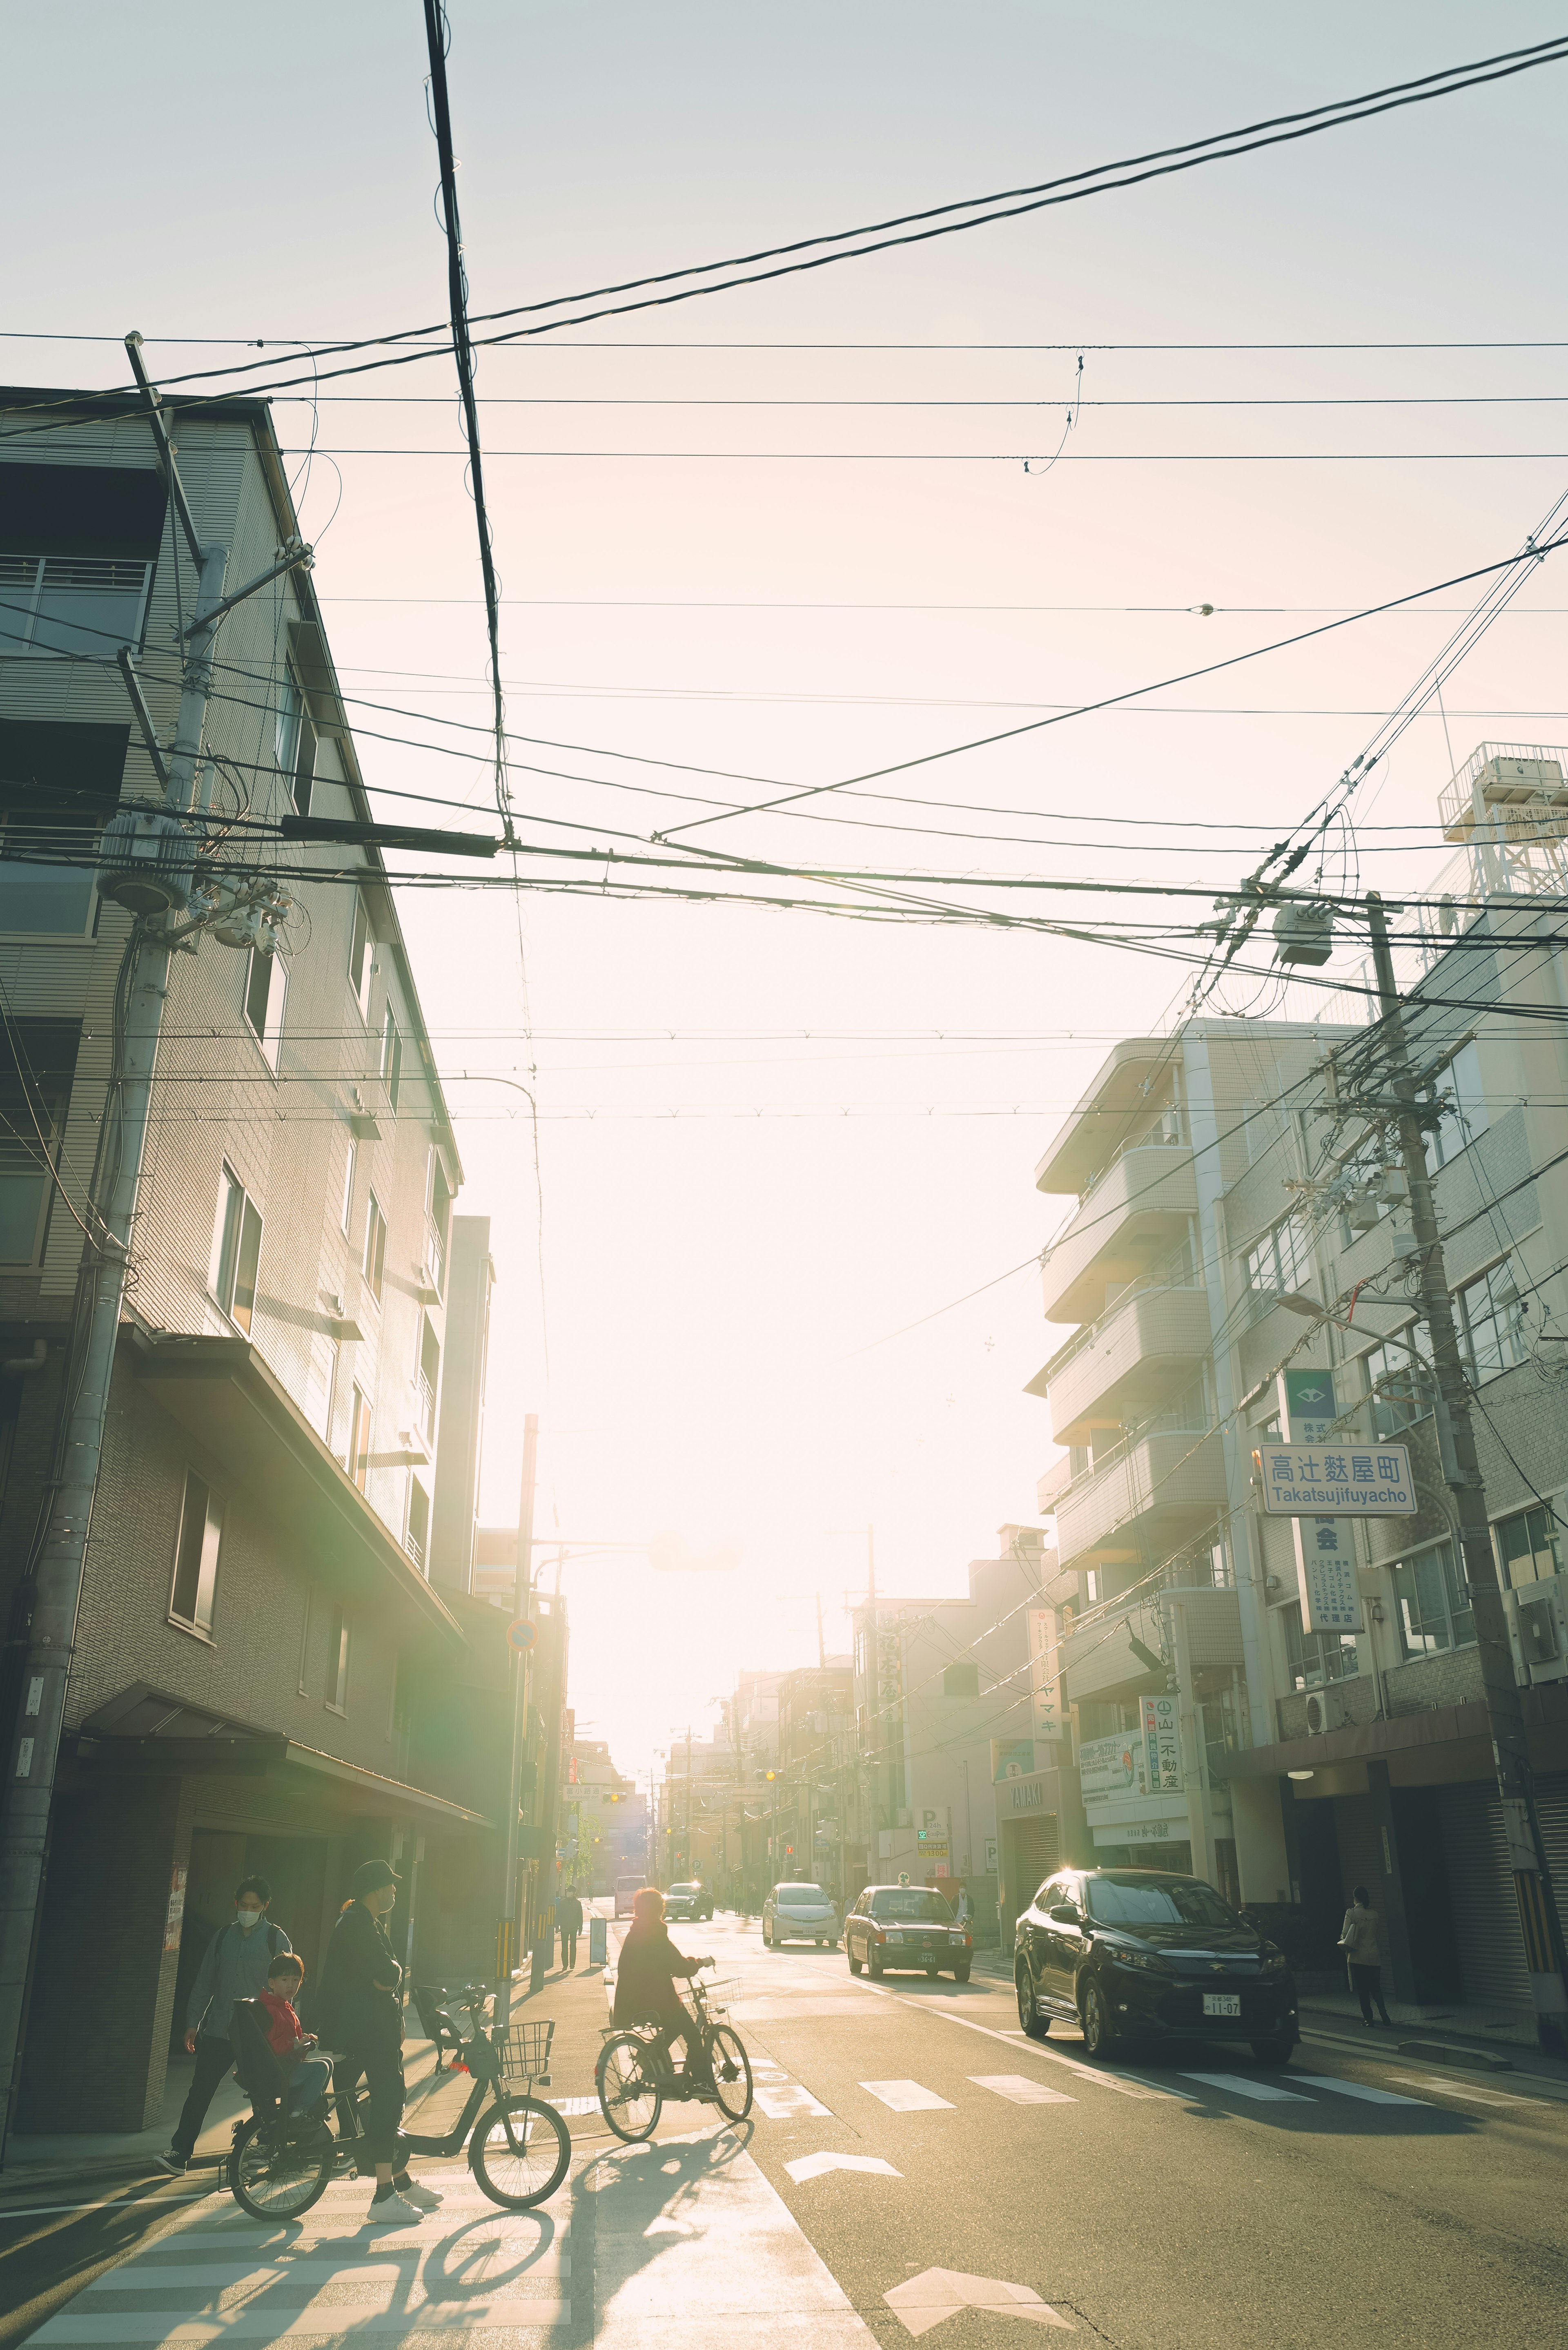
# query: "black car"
1134,1954
690,1900
894,1926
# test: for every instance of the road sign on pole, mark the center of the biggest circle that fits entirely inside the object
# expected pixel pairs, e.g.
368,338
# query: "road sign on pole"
1346,1479
521,1636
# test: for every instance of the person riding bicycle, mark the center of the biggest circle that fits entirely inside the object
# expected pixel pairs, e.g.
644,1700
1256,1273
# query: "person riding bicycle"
645,1989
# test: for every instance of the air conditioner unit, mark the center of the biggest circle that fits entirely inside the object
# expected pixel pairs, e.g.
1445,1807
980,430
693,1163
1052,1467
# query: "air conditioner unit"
1326,1709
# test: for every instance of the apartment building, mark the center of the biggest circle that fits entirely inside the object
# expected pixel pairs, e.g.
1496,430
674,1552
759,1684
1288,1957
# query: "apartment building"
264,1675
816,1763
1236,1183
946,1711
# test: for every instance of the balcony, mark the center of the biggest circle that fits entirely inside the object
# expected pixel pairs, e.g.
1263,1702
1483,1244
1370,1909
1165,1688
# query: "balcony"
1137,1209
1124,1366
1153,1492
1101,1660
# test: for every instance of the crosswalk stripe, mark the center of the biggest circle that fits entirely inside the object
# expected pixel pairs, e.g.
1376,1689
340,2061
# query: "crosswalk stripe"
908,2097
784,2101
399,2267
1355,2089
1019,2091
178,2326
1460,2089
1242,2086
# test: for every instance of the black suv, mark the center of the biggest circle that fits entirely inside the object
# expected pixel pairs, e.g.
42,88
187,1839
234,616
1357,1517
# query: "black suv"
1134,1954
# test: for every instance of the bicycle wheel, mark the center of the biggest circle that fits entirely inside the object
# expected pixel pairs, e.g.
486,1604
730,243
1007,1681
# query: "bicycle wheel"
630,2098
278,2181
731,2074
519,2177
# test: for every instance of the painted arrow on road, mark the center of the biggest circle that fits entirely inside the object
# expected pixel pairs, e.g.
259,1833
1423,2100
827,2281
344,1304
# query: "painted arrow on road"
813,2165
925,2300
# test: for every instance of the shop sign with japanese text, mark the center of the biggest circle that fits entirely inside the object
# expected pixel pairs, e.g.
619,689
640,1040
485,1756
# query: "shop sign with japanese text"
1358,1480
1162,1745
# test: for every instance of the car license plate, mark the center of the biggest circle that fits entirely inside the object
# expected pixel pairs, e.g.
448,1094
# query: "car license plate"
1221,2002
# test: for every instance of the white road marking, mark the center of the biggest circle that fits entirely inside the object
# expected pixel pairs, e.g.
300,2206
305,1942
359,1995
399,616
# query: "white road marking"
1129,2084
1019,2091
1354,2089
1240,2085
814,2166
1459,2089
266,2325
786,2101
925,2300
908,2097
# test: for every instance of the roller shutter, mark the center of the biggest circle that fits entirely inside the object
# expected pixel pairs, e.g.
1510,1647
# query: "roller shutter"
1037,1848
1481,1895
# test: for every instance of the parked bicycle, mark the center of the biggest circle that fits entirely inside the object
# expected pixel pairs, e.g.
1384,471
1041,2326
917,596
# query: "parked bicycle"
636,2078
518,2147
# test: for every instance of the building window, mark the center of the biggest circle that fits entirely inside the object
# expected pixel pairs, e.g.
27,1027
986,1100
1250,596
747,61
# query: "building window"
375,1259
359,1439
237,1251
266,985
346,1215
1490,1317
1400,1388
305,1644
960,1681
71,604
361,956
438,1211
1314,1658
427,1378
29,1143
338,1663
1282,1260
417,1533
1464,1110
293,739
1433,1604
197,1557
391,1058
1527,1547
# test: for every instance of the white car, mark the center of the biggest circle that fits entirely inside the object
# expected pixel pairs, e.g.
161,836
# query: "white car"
800,1913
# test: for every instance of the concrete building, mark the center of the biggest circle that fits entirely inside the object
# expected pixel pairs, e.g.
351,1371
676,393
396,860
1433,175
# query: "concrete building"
1228,1187
945,1708
264,1675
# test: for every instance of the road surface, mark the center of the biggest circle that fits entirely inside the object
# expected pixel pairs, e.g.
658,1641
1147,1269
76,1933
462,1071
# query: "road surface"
915,2168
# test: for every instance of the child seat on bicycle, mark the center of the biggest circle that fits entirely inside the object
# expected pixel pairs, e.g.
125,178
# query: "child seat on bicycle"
645,1989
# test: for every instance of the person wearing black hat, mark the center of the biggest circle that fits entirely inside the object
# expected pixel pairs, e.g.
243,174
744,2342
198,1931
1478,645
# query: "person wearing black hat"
361,2009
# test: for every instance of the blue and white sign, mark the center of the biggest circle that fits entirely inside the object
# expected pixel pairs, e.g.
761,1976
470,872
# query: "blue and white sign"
1346,1479
1325,1576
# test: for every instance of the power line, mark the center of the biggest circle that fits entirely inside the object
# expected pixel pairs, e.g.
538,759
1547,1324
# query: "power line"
978,457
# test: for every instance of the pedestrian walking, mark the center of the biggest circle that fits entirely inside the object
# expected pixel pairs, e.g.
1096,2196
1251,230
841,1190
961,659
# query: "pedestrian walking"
1364,1955
236,1965
361,2010
569,1920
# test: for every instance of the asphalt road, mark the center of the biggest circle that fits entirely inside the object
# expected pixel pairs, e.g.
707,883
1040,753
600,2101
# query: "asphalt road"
1346,2203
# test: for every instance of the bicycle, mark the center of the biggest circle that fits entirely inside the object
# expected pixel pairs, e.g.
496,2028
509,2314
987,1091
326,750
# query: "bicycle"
281,2163
635,2078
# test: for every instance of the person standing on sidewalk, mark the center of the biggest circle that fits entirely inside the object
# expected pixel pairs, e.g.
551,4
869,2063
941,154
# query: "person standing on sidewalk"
569,1919
236,1965
1364,1956
361,2015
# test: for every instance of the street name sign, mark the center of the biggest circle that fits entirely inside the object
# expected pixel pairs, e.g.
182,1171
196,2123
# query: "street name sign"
1344,1480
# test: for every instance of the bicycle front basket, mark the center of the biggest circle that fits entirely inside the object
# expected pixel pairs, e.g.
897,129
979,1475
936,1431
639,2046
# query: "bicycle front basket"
717,1996
524,2053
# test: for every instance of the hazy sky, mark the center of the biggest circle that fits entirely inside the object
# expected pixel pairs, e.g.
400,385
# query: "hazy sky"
860,1106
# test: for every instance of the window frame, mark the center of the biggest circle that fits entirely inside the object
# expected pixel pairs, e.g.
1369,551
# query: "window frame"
361,1440
1547,1525
1316,1660
373,1258
352,1167
1285,1249
297,765
1407,1575
208,1557
51,823
391,1056
35,1161
1506,1346
361,956
1387,1359
268,1033
104,643
421,1556
238,1220
338,1650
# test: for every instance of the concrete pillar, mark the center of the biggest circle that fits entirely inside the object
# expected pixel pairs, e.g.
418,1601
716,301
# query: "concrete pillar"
1388,1896
1263,1858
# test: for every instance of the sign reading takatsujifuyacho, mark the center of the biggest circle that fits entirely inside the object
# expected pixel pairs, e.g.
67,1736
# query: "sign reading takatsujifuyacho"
1346,1479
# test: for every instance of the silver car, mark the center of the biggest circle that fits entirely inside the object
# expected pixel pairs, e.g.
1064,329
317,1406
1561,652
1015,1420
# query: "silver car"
800,1913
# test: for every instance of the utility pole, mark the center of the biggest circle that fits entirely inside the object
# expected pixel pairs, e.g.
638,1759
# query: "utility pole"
522,1599
162,840
1538,1916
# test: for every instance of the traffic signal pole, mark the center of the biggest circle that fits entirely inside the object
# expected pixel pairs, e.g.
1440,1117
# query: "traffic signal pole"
1538,1915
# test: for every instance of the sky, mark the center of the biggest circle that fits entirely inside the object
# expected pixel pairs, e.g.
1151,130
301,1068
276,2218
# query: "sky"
770,1141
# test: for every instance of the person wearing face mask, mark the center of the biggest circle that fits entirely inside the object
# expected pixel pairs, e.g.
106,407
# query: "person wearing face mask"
361,2012
236,1965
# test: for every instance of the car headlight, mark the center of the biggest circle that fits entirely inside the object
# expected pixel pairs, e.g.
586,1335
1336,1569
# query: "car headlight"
1145,1961
1275,1963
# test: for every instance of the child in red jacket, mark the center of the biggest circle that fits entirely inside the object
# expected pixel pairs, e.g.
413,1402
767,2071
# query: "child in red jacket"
307,2080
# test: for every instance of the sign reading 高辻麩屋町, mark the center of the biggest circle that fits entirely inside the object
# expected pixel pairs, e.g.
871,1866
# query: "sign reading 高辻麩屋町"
1347,1480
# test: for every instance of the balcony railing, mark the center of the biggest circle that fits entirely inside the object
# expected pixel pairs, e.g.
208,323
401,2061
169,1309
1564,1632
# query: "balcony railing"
424,1397
435,1256
1123,1226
